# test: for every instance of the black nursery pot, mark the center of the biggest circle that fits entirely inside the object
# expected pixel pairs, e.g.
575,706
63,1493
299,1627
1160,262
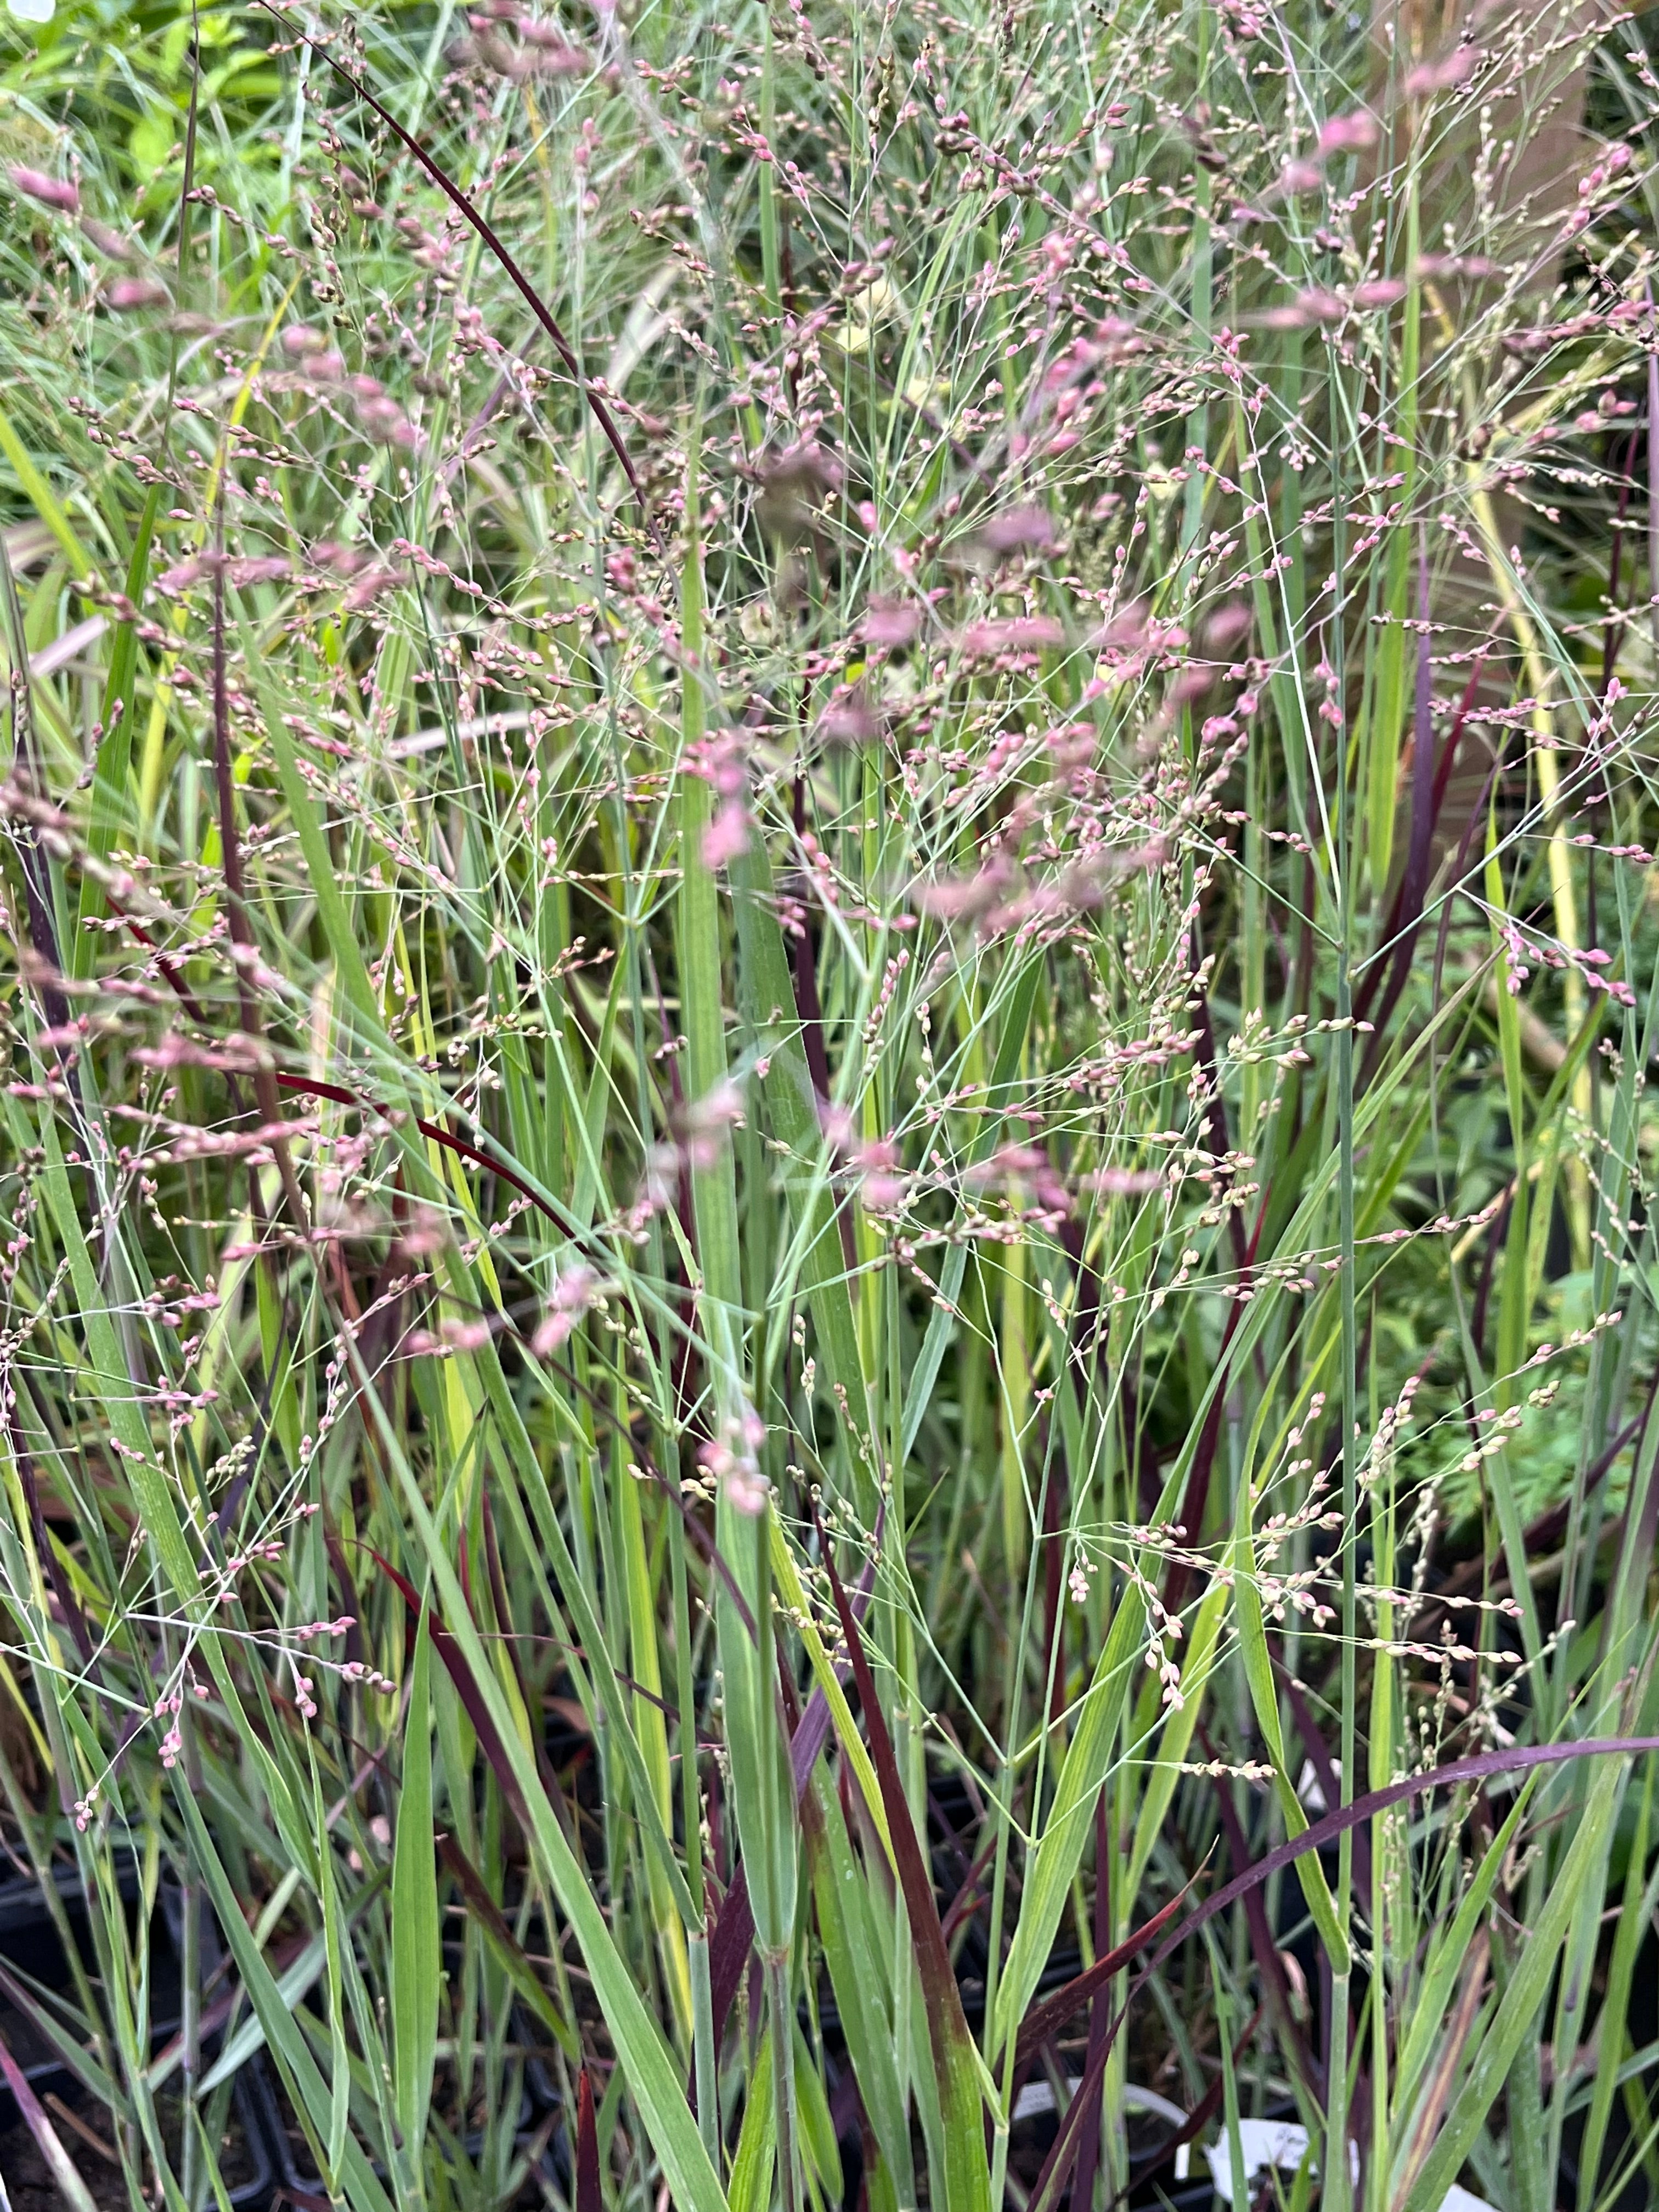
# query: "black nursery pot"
31,1946
304,2188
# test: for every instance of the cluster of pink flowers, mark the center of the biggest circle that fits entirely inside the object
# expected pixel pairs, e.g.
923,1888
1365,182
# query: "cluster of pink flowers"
731,1461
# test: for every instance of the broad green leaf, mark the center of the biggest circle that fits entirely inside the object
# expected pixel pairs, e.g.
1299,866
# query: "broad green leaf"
762,1788
416,1961
757,2139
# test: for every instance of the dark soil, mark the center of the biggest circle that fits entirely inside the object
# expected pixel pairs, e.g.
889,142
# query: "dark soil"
29,2179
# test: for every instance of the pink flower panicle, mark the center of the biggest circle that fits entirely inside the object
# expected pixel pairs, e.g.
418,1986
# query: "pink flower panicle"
59,193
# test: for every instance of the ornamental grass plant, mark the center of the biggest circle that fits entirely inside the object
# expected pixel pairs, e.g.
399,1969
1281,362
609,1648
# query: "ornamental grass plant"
827,1321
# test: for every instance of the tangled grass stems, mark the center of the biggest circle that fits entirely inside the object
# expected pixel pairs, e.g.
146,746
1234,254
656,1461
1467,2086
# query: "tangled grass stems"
829,1306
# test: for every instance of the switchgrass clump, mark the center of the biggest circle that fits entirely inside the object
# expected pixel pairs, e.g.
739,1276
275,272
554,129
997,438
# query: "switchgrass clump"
829,1313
